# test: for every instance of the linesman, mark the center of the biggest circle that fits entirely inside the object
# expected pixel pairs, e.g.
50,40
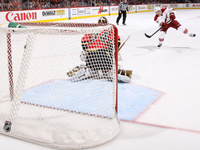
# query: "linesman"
123,7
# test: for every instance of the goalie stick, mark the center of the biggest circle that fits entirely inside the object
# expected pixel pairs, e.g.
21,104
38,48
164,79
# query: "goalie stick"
149,36
124,43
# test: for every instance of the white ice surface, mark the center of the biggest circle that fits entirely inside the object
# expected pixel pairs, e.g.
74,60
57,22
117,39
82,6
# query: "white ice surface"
173,121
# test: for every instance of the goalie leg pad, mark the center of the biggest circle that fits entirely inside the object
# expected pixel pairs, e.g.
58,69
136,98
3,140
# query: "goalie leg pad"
77,73
83,56
124,75
80,73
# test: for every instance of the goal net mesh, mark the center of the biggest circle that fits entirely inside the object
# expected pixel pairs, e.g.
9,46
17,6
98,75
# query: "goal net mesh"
59,79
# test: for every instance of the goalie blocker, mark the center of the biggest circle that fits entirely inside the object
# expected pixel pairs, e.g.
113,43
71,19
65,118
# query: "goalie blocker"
97,55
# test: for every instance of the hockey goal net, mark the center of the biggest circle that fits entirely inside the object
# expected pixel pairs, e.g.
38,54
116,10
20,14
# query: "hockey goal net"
58,83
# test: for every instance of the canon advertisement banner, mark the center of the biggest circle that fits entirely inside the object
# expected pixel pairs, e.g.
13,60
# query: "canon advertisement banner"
33,15
18,16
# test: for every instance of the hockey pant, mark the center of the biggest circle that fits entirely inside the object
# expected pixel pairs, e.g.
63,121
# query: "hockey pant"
119,17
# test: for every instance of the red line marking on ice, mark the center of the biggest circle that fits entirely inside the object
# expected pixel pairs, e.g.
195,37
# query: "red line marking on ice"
156,125
167,127
146,109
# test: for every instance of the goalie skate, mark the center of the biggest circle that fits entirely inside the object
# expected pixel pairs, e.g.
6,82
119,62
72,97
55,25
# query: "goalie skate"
124,75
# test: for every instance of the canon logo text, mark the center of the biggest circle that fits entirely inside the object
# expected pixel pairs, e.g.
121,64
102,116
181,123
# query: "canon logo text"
23,16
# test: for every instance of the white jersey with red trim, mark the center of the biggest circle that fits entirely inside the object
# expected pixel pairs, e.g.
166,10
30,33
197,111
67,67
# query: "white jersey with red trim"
164,16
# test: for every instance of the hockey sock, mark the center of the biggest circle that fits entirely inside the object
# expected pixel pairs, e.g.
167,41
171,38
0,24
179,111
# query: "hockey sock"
185,31
182,29
161,37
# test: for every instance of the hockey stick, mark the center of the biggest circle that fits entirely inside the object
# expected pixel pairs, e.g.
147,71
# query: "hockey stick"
124,43
149,36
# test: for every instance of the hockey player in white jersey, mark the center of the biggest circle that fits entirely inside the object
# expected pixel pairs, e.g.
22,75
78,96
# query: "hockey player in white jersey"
166,17
88,70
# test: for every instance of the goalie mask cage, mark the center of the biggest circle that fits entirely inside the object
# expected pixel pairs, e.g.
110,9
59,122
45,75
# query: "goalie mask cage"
38,101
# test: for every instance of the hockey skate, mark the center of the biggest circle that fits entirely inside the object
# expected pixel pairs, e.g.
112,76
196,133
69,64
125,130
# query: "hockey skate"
159,45
124,76
192,35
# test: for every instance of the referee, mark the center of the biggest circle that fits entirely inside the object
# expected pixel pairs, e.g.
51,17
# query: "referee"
123,7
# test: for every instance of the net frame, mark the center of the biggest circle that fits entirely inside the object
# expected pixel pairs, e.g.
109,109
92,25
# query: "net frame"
58,26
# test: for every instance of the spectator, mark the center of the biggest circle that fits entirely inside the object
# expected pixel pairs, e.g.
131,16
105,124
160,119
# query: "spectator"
53,2
4,6
1,8
24,7
18,7
88,3
93,3
38,6
16,2
14,8
73,4
7,5
108,2
24,4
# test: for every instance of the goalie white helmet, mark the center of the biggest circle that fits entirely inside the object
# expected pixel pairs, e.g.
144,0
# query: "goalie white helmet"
156,9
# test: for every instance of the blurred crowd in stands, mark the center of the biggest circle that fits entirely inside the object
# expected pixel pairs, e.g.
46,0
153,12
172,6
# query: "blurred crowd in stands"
8,5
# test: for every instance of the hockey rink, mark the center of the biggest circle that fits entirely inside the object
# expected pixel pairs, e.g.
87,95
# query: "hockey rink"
160,108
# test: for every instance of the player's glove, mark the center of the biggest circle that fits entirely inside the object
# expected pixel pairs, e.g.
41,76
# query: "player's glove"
172,16
162,24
